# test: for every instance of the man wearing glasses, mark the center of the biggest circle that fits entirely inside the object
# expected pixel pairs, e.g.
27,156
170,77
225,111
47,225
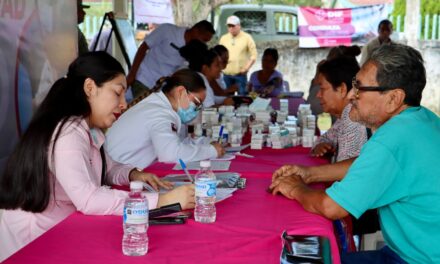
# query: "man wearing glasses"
397,170
242,54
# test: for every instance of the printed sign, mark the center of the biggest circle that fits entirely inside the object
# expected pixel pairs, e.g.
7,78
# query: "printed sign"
153,11
320,27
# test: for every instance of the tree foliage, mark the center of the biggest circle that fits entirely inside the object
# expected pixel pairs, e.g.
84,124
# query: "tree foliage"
427,7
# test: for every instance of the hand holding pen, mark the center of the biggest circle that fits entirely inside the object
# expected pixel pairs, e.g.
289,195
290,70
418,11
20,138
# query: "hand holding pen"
220,134
185,169
219,148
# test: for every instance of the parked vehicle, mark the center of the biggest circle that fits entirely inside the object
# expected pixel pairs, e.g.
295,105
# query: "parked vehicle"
263,22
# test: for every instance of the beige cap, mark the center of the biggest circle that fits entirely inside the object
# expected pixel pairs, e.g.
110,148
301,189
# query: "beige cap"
233,20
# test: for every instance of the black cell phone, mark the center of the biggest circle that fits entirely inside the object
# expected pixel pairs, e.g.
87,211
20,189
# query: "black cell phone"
165,210
167,221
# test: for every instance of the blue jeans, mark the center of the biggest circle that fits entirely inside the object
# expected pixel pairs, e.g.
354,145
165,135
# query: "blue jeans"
239,79
381,256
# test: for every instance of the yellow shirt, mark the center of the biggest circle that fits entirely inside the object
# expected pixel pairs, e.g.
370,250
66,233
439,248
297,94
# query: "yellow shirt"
241,49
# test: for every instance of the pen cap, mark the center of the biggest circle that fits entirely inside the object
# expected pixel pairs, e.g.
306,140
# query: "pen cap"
205,163
136,185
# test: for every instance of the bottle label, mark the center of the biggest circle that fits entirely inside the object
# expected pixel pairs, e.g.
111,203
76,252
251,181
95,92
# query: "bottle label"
138,214
206,188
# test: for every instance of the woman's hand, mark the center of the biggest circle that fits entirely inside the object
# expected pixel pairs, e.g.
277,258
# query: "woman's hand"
219,148
182,194
322,148
151,179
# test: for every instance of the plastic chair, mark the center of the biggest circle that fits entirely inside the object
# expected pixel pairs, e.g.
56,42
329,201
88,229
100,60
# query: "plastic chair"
344,234
372,241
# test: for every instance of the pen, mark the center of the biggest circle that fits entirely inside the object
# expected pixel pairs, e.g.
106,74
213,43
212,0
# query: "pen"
183,165
244,155
220,134
148,187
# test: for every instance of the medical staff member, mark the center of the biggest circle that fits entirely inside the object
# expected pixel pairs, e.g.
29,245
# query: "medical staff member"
150,129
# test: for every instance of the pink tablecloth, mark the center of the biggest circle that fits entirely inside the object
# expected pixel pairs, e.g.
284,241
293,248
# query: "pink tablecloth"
247,230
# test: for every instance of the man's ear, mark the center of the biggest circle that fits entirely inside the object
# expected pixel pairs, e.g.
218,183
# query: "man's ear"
89,85
395,100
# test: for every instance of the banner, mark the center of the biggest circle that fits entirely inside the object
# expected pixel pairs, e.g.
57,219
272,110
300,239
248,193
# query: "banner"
38,40
153,11
332,27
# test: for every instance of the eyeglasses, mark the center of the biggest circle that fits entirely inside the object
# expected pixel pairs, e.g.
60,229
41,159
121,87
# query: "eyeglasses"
199,104
357,88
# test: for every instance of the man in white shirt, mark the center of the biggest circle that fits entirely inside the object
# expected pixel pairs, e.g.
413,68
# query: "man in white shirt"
385,29
163,56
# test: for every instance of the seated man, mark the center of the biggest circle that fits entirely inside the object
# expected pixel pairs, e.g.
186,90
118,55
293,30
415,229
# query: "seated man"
397,170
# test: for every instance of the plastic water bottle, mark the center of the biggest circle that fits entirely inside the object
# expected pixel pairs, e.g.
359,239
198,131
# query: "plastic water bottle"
135,240
206,186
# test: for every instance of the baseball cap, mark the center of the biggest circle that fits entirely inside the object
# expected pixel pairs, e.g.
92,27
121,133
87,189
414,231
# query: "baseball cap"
233,20
79,3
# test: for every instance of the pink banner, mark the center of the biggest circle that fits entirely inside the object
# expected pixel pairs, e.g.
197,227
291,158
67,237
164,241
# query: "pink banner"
320,27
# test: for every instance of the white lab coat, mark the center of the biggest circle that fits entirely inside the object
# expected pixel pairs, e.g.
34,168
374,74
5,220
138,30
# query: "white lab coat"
149,131
209,99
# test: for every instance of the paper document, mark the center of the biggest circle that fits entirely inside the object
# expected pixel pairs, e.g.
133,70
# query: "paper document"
224,193
227,156
259,104
216,165
225,179
196,141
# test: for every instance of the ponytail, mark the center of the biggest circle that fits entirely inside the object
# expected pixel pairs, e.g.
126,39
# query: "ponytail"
156,88
190,79
184,77
160,83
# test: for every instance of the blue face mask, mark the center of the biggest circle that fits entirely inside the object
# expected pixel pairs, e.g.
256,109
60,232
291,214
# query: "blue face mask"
187,115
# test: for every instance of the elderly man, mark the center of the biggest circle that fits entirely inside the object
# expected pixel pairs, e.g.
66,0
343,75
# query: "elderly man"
384,29
242,54
397,170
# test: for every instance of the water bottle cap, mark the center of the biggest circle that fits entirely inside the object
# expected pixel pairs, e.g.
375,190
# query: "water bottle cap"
205,163
136,185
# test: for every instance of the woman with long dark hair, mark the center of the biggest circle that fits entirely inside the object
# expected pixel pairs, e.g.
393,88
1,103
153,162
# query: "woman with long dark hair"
59,165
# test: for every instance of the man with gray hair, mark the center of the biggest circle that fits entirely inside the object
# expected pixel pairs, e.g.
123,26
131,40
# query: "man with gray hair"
397,170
